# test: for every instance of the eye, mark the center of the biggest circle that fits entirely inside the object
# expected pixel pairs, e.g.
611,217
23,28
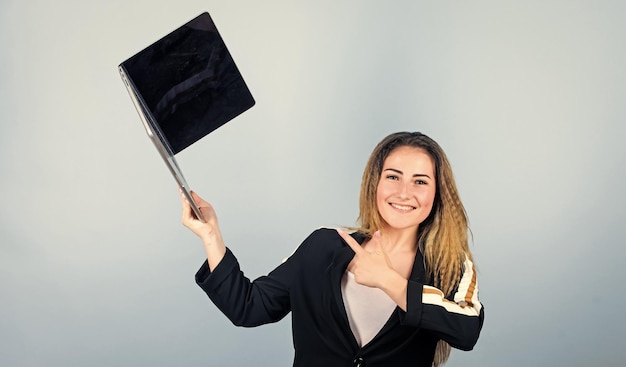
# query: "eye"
392,177
421,182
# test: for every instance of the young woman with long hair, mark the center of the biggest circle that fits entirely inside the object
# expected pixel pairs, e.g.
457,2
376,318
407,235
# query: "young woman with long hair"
400,290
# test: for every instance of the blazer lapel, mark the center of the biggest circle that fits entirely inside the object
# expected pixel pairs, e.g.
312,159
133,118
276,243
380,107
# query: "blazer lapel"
341,259
417,275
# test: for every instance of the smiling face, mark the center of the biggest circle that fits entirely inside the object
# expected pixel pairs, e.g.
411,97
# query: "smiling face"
406,190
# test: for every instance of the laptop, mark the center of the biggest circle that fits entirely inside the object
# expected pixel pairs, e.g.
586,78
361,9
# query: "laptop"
184,86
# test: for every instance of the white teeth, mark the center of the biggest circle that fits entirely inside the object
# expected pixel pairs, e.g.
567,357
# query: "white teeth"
403,207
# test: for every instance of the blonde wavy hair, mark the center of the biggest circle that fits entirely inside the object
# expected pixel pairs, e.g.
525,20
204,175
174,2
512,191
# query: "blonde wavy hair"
443,236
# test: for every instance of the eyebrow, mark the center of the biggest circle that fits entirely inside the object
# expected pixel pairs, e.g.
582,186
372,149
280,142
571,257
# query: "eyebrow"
402,173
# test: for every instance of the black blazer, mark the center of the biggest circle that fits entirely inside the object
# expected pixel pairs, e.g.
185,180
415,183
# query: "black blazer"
308,284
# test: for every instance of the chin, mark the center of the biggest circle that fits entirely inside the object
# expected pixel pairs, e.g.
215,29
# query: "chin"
400,226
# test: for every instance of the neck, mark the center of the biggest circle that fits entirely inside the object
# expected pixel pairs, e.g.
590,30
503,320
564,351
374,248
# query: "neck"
399,239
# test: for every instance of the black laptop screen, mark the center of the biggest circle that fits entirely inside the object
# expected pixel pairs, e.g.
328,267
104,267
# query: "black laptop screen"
189,82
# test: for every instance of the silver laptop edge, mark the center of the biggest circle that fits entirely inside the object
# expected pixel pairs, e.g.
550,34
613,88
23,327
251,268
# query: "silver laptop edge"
157,137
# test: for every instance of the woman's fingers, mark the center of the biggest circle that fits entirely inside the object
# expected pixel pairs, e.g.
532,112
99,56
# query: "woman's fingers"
189,217
355,246
185,206
367,267
198,200
350,241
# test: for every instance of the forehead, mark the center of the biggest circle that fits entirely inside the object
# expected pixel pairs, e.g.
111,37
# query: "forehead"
410,160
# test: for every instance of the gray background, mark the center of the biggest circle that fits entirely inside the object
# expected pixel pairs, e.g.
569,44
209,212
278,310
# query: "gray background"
527,98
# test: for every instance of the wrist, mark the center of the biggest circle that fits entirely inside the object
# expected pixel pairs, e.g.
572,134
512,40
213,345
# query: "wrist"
391,280
210,238
395,286
215,251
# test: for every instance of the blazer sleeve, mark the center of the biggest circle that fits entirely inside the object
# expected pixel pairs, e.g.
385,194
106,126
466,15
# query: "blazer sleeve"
458,321
244,302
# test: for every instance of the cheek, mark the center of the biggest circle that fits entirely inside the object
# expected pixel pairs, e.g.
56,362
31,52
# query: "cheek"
380,192
380,199
427,198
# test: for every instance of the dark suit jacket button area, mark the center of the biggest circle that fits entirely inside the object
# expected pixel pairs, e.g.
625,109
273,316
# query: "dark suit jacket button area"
359,362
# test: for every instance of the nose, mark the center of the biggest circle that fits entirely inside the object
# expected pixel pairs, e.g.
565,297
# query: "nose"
403,191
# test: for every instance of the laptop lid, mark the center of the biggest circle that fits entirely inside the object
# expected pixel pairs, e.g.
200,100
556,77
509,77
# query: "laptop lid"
185,86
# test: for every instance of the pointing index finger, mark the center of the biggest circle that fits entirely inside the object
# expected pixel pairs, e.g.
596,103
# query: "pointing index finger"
350,241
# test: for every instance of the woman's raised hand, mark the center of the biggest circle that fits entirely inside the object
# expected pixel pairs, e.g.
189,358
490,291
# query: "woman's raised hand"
209,232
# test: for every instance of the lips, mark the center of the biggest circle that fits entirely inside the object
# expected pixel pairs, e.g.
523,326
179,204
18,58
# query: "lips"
404,208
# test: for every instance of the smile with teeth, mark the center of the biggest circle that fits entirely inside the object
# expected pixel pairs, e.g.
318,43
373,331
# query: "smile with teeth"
405,208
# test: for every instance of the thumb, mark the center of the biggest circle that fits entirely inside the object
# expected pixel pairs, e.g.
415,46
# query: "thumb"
381,248
378,243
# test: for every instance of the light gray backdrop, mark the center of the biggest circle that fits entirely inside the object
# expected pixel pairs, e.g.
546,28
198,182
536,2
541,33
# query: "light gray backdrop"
527,98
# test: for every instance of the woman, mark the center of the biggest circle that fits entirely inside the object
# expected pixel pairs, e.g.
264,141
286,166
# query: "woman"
399,291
